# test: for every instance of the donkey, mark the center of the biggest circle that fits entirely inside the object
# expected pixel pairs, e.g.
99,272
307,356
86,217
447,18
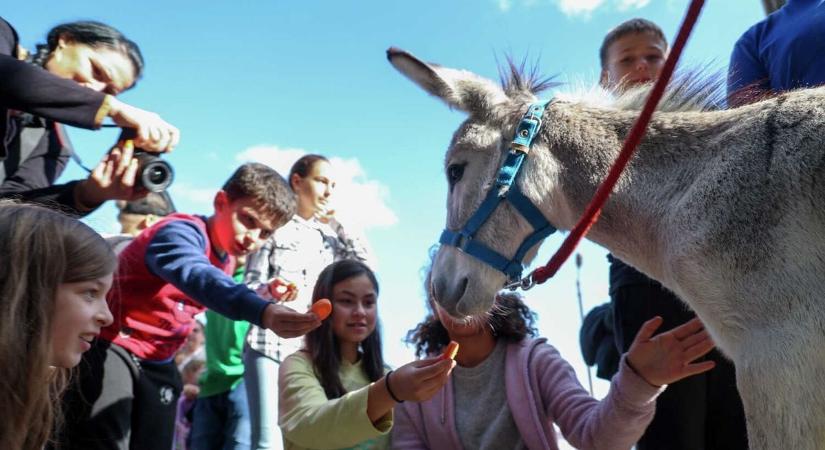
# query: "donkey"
725,208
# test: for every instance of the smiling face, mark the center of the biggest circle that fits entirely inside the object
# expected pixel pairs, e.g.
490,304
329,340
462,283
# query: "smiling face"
354,309
633,59
240,226
80,312
102,68
315,189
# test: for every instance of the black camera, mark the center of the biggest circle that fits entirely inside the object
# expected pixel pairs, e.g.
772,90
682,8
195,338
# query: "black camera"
153,174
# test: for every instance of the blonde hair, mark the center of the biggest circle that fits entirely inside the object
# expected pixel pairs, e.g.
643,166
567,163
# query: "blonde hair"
39,250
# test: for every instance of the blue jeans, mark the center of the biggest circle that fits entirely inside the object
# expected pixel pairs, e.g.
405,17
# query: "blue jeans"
221,421
261,378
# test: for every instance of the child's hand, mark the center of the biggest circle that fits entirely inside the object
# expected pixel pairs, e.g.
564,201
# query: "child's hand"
420,380
288,323
191,391
666,357
282,290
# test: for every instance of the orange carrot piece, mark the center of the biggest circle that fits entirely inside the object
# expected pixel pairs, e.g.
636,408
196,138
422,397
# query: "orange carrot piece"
450,351
322,308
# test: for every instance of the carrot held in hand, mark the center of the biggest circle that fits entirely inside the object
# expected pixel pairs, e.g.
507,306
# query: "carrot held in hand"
450,351
322,308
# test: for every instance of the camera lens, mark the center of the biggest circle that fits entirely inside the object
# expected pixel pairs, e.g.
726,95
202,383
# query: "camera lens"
154,174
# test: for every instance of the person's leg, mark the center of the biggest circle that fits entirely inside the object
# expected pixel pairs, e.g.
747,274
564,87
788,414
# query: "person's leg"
98,407
208,421
155,405
261,379
237,430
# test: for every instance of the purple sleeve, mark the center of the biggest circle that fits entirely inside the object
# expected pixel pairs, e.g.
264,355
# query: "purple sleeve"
616,422
406,432
748,77
177,254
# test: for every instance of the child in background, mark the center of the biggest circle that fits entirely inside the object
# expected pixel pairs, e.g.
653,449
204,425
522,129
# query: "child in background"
220,419
295,254
699,412
509,388
129,384
183,419
54,275
336,392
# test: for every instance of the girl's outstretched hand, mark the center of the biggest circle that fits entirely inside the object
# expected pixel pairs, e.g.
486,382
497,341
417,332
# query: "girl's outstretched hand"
419,380
668,357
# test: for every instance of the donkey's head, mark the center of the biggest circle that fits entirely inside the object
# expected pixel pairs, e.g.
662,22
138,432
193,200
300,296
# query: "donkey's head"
462,284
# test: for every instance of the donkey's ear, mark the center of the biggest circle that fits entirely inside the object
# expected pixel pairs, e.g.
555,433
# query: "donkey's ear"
459,88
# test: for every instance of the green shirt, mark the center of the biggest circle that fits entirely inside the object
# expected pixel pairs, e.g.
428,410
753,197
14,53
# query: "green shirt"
224,352
309,420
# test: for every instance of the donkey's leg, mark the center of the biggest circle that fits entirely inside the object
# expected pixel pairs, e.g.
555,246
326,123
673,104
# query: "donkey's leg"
782,383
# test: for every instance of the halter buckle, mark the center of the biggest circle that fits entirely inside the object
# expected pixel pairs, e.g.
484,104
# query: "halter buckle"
525,283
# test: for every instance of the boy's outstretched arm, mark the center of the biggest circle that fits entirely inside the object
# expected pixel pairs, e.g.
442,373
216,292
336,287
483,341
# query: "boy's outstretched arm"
177,254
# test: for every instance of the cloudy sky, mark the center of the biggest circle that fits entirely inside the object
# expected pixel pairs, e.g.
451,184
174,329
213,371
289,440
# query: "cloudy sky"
271,80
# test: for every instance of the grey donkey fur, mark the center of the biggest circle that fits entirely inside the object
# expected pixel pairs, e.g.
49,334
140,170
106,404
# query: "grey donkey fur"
725,208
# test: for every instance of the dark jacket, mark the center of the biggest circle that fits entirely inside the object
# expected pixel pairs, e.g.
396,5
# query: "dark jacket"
33,148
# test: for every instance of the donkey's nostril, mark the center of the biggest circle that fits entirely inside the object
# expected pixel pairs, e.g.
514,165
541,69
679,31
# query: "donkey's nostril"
462,288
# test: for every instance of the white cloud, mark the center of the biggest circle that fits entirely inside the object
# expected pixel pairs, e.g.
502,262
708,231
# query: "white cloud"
579,7
196,198
504,5
360,203
624,5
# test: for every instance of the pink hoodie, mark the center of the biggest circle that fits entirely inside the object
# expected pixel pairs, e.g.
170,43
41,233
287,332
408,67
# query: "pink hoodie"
542,389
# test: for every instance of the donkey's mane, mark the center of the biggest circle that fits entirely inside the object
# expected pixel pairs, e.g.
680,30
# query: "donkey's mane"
696,88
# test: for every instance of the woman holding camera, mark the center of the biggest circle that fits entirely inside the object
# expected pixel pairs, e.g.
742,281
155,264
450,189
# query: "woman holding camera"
86,65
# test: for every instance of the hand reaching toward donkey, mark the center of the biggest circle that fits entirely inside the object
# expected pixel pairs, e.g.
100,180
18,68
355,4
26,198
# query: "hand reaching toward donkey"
668,357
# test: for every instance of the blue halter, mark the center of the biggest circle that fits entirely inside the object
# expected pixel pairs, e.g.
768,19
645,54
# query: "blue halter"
505,189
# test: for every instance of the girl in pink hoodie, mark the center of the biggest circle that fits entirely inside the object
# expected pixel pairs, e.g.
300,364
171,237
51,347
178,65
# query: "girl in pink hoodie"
509,388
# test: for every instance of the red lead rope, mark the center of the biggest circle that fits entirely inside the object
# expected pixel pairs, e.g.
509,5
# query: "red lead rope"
591,214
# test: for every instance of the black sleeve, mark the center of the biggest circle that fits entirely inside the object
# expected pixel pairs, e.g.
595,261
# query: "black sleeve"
28,88
33,179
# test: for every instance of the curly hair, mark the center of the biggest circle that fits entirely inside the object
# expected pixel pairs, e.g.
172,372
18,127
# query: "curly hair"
509,319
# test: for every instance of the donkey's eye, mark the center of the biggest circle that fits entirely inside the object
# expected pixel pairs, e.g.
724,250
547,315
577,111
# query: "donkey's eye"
454,173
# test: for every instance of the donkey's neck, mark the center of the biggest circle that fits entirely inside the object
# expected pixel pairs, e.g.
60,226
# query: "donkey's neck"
585,141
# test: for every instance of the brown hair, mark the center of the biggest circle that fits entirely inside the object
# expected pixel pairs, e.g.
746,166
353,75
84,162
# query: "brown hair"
40,249
632,26
266,187
303,165
323,344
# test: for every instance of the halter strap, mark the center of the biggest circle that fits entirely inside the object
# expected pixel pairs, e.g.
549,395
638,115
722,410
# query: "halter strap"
505,189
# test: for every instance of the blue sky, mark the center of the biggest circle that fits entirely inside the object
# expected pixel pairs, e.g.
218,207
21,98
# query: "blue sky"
273,79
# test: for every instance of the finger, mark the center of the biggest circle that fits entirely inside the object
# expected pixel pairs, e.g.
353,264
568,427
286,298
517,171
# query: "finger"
164,137
125,158
130,175
175,139
694,369
300,328
143,139
694,339
648,328
424,362
700,349
434,370
688,328
155,134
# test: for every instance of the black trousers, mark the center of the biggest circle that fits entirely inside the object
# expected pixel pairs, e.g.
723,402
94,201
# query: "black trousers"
700,412
119,402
